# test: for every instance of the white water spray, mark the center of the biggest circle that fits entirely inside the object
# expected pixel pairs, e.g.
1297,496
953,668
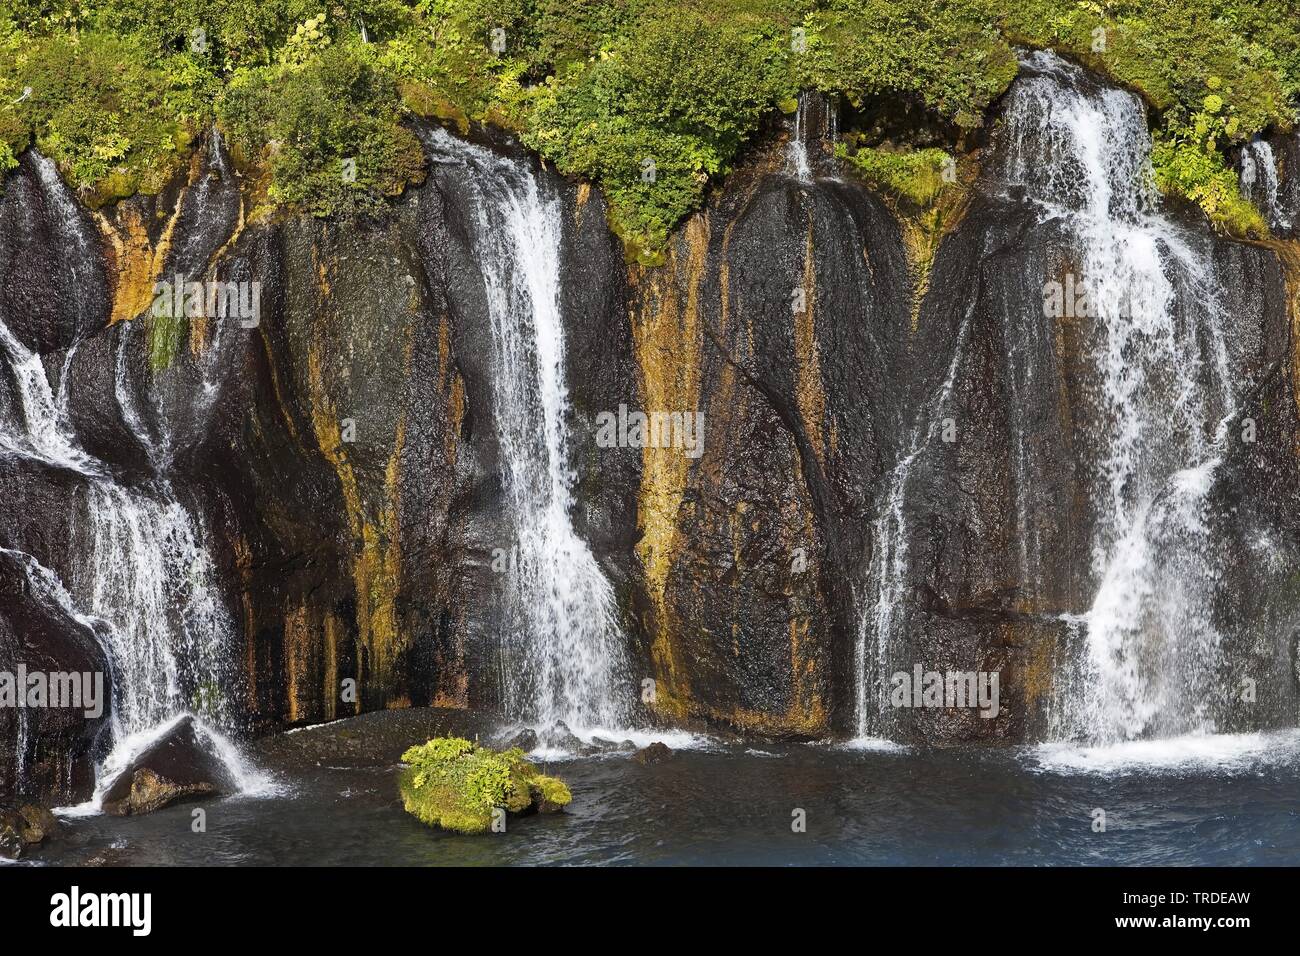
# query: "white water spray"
144,582
1259,182
563,659
1083,157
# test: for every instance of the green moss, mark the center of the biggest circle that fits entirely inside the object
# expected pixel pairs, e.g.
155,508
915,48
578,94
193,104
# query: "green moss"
552,792
601,88
914,175
166,332
454,784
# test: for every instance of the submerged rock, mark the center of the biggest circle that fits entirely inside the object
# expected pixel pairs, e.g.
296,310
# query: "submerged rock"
656,752
524,740
456,785
178,766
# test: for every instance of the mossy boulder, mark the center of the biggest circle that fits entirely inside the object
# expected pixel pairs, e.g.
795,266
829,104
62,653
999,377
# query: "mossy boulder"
454,784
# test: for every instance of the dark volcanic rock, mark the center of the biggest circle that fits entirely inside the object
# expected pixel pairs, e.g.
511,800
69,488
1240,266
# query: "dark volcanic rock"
656,752
375,739
60,744
180,765
53,284
782,315
524,740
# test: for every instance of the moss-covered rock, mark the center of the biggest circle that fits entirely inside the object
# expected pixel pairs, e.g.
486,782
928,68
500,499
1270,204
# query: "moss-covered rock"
454,784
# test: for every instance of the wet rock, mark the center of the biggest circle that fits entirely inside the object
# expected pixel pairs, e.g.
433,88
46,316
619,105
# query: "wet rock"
60,744
376,739
53,287
656,752
180,765
560,737
23,828
113,856
12,844
41,823
525,740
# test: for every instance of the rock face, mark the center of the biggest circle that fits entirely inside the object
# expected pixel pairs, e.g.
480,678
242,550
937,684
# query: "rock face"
345,452
50,750
180,765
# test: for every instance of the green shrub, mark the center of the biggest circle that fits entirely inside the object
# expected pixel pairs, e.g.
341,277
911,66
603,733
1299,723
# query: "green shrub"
598,87
948,55
328,129
100,106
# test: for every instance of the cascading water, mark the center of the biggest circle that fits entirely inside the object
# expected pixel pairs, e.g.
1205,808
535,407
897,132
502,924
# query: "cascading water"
1083,157
1080,153
812,133
796,150
1259,182
563,659
144,580
888,574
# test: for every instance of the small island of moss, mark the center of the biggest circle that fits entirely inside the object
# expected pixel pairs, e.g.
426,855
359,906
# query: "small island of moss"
454,784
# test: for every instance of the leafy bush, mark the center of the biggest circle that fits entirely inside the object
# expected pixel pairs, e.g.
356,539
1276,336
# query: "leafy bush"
949,56
328,129
662,109
121,87
99,107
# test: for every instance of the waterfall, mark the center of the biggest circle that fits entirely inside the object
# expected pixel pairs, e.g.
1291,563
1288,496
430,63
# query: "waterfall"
563,658
1082,156
144,581
1259,182
796,150
1146,649
888,572
816,124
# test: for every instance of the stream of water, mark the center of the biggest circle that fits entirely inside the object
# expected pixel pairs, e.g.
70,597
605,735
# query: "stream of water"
563,651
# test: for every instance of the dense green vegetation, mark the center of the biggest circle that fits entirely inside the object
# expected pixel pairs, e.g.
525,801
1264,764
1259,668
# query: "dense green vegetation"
652,99
454,784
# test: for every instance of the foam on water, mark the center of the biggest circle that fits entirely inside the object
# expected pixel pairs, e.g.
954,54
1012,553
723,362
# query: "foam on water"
873,745
1189,752
249,781
674,739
